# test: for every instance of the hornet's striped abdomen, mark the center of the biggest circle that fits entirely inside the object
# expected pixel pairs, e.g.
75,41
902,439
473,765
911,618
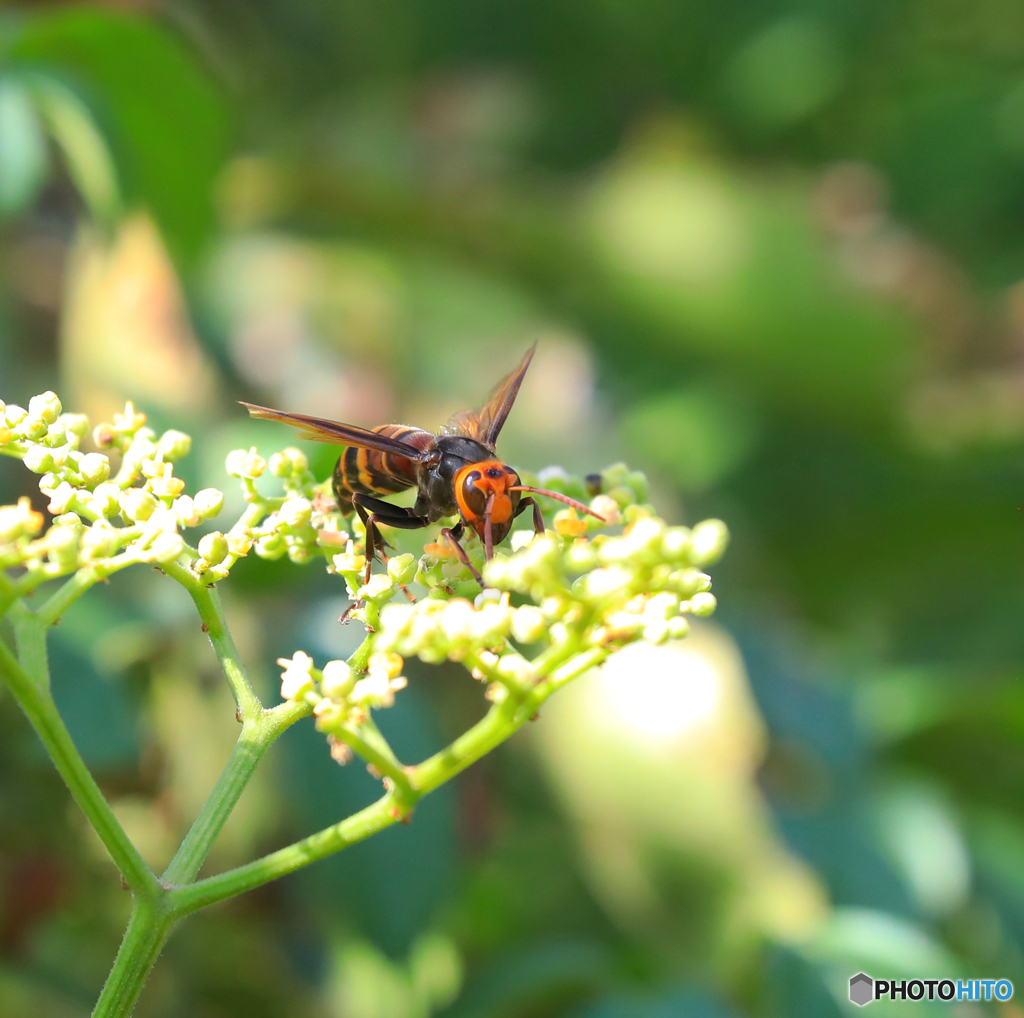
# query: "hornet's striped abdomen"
378,473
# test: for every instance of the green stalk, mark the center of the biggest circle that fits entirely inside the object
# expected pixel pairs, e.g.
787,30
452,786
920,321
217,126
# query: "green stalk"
207,601
35,700
192,897
148,929
192,853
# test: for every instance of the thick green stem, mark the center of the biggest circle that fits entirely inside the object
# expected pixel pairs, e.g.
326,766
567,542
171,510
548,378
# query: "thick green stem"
192,853
207,601
148,930
41,711
383,813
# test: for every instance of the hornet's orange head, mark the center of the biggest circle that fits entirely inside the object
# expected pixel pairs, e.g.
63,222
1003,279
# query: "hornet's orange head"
482,492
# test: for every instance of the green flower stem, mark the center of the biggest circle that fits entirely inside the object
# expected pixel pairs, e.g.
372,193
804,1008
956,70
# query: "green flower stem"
55,606
207,601
375,750
8,593
148,929
192,852
383,813
30,641
500,722
41,711
84,578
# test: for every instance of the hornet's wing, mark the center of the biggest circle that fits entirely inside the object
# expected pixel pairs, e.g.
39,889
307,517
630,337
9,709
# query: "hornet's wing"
485,424
319,430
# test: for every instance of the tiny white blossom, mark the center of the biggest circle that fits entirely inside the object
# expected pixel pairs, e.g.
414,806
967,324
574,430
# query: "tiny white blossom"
297,678
296,512
338,679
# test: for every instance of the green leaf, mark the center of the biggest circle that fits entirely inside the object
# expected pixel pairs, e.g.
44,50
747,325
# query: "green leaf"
23,161
168,120
88,158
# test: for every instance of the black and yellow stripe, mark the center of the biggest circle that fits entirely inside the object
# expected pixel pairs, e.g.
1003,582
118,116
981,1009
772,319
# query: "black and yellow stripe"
378,473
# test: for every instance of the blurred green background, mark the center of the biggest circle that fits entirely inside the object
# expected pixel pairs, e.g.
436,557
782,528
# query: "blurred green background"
773,252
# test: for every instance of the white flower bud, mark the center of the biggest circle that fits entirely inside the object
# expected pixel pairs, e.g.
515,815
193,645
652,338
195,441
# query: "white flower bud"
99,541
270,546
388,662
492,623
688,582
298,552
137,505
553,607
377,689
167,547
208,503
662,605
56,434
656,631
213,547
708,541
76,424
608,582
239,544
338,680
70,520
347,562
395,621
296,684
528,624
288,462
520,539
703,603
607,508
105,499
381,586
174,445
402,568
675,544
19,520
14,415
129,422
678,627
243,463
45,406
94,468
296,512
644,535
497,571
515,667
60,498
457,620
280,465
580,556
185,510
39,459
62,546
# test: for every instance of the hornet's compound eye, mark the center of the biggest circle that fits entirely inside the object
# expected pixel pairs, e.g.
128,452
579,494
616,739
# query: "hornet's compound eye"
473,498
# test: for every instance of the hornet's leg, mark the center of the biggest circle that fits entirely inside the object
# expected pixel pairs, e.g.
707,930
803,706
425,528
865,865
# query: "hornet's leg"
388,514
538,519
452,535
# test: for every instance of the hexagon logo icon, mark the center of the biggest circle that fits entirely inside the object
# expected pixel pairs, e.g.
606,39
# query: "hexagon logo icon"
862,989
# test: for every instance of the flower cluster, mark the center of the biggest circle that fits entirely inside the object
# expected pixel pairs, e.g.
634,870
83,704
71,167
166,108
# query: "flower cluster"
102,518
340,696
553,599
124,504
594,592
